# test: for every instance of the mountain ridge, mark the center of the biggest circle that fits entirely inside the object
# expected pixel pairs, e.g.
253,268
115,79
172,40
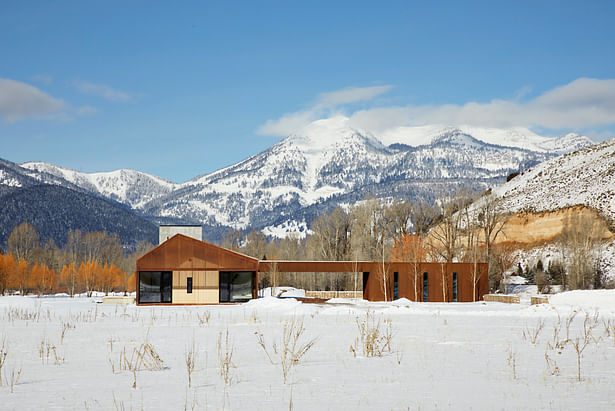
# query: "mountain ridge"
317,172
584,177
323,165
54,206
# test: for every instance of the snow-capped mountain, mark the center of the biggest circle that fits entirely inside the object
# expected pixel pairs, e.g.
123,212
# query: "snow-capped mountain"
584,177
129,187
330,163
13,176
325,164
522,138
54,206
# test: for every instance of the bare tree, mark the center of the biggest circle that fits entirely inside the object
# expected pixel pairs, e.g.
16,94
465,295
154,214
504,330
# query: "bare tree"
330,239
72,248
500,261
423,216
481,217
372,235
232,239
400,215
51,256
491,220
256,244
579,239
23,241
445,235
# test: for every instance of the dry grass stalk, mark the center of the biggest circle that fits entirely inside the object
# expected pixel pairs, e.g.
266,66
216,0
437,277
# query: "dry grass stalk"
3,355
609,329
569,321
65,327
552,367
24,314
532,334
579,343
143,358
512,362
45,350
225,357
191,358
582,341
14,378
261,341
204,318
374,339
291,348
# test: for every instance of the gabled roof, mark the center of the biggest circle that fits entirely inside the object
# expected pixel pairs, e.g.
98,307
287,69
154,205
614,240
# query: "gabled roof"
185,253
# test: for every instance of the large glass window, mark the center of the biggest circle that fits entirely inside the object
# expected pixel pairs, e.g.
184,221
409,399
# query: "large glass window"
235,286
155,286
425,287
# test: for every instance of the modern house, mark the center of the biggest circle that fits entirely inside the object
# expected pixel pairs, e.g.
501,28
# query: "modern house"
185,270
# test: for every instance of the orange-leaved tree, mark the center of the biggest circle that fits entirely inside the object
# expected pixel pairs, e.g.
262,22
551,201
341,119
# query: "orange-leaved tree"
131,283
19,277
111,278
88,276
8,265
69,278
42,279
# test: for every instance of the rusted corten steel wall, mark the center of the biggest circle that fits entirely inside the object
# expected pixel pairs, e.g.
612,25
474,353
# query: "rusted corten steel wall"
468,274
185,253
322,266
373,280
182,253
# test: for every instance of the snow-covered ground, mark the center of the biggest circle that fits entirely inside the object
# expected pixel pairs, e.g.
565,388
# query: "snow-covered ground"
443,356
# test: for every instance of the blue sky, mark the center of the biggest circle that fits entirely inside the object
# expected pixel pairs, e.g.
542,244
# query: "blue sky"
179,89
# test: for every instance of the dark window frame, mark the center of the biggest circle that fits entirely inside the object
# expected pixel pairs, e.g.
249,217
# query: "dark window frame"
395,285
455,287
227,286
189,285
425,287
156,287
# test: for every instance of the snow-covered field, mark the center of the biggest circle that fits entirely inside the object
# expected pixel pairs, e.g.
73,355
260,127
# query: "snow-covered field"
72,354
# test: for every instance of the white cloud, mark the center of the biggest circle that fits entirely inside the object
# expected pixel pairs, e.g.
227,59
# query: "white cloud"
104,91
19,101
286,124
325,105
581,104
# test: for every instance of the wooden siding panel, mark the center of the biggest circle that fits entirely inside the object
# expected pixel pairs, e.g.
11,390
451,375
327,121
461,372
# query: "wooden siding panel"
212,279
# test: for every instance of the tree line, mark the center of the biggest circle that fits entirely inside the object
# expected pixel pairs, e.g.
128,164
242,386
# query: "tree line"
464,226
378,230
87,262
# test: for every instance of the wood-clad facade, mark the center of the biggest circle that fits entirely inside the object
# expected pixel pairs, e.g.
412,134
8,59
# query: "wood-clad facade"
183,270
196,268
